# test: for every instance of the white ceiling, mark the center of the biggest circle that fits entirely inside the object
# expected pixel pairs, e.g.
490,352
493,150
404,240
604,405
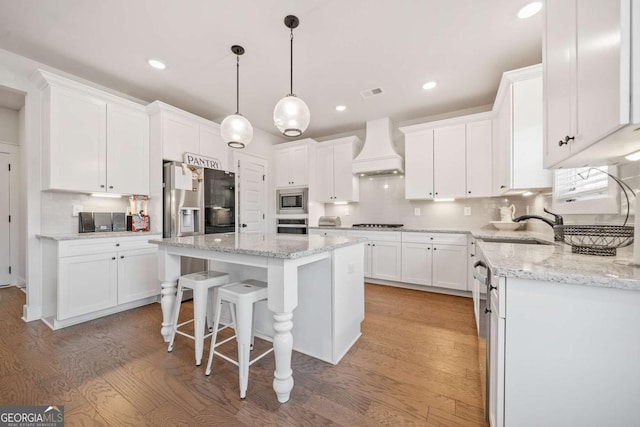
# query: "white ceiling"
340,48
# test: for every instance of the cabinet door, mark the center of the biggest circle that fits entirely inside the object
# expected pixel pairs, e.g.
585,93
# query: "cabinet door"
300,166
283,165
346,186
502,146
603,69
559,52
325,174
179,135
77,144
86,284
386,260
418,163
212,145
367,260
137,274
449,167
450,267
479,159
127,150
416,263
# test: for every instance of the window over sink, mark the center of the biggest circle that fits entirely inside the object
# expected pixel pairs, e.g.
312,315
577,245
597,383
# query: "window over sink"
586,190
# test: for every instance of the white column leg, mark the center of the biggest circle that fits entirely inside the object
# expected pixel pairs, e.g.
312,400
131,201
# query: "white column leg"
199,314
282,349
167,303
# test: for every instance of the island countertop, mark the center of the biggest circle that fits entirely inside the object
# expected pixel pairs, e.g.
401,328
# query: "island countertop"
286,246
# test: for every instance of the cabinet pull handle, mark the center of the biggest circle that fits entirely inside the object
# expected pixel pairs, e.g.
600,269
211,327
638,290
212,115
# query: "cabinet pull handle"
111,186
566,140
121,256
491,287
117,244
471,255
486,310
102,186
502,186
469,192
113,258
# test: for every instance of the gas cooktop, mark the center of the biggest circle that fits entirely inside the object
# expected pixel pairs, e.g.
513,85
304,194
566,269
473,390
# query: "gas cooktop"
377,225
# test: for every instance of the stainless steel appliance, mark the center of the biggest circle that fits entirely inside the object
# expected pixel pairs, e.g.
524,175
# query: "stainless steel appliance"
329,221
292,201
292,225
219,201
482,274
85,222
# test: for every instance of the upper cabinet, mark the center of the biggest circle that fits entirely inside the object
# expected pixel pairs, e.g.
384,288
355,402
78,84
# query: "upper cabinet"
175,132
335,181
589,74
92,141
449,158
292,165
518,133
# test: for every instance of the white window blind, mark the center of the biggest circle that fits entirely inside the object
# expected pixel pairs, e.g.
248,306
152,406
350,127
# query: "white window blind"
572,185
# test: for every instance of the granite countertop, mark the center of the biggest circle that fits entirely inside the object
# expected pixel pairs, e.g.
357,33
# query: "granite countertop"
270,245
478,233
556,263
96,235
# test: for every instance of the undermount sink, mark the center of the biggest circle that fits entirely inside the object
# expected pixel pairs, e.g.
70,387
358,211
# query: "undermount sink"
517,241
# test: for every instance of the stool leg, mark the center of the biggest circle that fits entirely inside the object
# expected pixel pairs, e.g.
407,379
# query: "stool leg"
214,333
199,315
244,316
211,307
176,313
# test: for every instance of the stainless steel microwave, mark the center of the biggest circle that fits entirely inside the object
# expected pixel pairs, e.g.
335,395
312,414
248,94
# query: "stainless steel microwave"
292,201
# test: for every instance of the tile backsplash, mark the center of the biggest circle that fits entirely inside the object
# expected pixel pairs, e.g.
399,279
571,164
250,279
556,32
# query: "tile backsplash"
57,210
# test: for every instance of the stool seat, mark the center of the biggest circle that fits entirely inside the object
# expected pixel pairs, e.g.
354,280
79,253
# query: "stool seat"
200,283
243,296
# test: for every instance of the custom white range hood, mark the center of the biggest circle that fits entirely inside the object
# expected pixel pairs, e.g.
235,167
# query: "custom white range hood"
378,155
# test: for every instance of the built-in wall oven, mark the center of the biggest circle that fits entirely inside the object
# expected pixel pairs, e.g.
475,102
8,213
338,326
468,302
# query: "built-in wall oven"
292,225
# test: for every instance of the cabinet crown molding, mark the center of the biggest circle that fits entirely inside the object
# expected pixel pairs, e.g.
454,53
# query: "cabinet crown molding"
345,139
429,126
514,76
284,145
157,107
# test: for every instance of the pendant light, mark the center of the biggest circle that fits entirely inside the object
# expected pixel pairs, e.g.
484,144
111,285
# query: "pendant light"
291,115
236,130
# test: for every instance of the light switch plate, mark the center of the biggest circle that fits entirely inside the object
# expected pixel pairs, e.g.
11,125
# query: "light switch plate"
416,211
76,210
467,210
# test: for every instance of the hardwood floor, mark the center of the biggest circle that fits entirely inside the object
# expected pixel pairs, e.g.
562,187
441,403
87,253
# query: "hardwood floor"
415,364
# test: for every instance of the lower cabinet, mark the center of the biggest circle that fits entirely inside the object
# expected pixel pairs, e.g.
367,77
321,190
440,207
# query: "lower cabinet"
435,259
382,254
90,278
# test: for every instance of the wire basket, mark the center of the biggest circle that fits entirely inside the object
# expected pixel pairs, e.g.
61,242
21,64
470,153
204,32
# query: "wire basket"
600,240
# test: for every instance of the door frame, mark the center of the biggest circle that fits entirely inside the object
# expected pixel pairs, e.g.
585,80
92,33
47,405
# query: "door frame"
14,186
239,156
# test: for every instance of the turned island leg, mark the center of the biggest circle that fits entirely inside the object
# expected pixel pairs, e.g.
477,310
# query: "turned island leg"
168,274
282,349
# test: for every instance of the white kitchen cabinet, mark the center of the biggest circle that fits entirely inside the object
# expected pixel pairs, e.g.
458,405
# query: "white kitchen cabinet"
292,165
335,181
496,362
382,254
87,283
479,157
449,167
92,141
518,134
449,158
435,259
175,132
330,232
588,79
89,278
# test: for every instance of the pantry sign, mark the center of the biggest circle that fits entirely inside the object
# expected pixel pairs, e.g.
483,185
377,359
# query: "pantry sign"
193,159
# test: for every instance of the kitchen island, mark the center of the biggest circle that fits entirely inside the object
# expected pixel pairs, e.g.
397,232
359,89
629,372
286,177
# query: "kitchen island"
322,276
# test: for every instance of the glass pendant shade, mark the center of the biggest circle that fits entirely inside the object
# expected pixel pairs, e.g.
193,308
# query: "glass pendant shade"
291,116
236,131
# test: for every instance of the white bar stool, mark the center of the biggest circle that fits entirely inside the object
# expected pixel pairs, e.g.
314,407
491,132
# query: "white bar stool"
200,283
243,295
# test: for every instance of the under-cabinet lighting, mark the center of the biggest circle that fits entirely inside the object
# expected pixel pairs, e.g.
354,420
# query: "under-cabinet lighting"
340,108
339,203
529,10
444,199
633,156
107,195
429,85
527,194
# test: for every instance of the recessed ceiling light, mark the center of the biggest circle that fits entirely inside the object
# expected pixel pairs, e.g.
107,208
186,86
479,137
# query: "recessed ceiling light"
157,64
529,10
340,108
429,85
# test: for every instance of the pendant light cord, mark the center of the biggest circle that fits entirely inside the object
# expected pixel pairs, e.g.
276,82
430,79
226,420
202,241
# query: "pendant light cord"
237,84
291,64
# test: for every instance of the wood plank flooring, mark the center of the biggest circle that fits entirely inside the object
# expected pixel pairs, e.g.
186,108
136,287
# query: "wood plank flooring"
415,364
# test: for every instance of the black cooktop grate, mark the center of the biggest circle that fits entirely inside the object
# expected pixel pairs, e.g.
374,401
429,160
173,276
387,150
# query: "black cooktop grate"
377,225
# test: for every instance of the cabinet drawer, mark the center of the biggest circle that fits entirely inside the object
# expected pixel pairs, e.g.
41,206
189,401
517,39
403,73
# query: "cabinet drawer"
439,238
381,236
100,245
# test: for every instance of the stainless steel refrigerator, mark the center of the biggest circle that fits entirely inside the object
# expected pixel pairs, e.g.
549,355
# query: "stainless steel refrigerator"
197,201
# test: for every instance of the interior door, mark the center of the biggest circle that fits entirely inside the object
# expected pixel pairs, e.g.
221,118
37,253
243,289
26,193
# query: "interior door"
5,236
252,191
